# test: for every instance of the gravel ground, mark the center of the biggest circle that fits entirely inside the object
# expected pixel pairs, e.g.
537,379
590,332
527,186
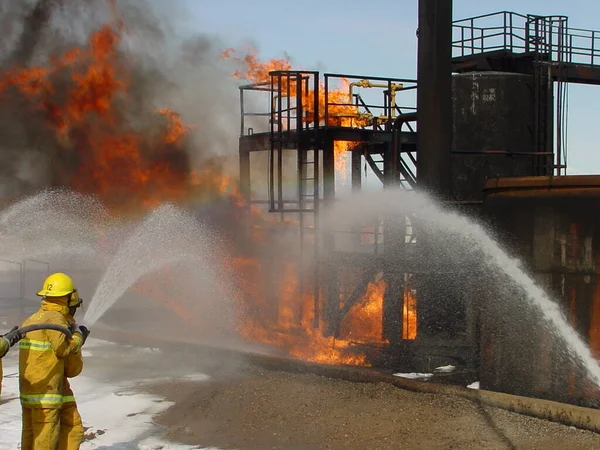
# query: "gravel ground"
276,410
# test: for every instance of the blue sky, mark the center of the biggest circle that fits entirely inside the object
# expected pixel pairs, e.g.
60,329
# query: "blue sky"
378,39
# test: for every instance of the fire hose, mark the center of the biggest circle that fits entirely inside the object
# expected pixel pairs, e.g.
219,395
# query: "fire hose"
41,326
45,326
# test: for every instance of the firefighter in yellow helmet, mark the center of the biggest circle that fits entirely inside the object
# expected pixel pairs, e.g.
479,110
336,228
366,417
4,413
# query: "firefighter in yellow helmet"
42,359
6,342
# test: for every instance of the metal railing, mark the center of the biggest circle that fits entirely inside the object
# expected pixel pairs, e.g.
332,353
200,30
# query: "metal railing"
518,33
366,102
290,98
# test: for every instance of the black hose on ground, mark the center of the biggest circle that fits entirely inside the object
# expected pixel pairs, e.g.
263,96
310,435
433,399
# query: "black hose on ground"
46,326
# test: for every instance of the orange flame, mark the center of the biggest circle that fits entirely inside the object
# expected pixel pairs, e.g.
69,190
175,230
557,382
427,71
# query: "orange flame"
409,314
101,151
341,111
364,322
287,320
251,68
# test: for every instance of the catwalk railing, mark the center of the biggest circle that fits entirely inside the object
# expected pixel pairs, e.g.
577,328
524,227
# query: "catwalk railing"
302,100
518,33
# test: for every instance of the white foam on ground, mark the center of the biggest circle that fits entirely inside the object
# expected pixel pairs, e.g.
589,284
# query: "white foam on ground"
474,385
194,377
117,415
413,375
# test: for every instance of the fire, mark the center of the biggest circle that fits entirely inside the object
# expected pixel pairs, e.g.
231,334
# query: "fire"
252,68
84,98
176,130
285,317
364,322
342,112
409,314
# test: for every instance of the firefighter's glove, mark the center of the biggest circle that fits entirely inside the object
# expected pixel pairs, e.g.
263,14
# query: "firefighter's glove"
13,336
84,332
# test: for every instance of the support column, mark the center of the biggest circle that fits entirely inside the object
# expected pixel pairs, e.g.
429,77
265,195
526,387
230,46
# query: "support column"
356,171
328,172
332,294
391,174
434,97
434,146
245,190
394,236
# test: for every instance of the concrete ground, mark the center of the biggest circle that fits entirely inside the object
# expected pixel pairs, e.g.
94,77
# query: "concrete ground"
276,410
244,407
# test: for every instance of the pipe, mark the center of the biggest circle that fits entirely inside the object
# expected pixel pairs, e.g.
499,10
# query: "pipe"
566,414
364,83
396,127
404,118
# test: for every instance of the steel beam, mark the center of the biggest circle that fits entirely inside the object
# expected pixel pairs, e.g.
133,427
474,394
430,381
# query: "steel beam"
434,97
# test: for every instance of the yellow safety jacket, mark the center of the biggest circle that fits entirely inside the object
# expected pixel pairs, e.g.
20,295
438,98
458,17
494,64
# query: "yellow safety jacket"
42,356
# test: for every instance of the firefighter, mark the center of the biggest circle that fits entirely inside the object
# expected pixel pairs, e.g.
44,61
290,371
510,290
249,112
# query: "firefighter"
42,358
71,426
6,342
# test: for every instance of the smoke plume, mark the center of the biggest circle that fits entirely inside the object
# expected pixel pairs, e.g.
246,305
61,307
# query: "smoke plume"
103,97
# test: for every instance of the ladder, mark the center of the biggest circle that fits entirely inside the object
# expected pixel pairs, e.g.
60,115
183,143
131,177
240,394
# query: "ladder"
294,127
546,38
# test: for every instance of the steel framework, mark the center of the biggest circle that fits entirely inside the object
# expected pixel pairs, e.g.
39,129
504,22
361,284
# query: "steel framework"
316,120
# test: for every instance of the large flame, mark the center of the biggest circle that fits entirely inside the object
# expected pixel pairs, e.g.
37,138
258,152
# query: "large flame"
83,96
341,111
364,322
287,320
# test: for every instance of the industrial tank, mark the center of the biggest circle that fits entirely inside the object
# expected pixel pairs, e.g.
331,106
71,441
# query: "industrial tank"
494,119
494,135
552,224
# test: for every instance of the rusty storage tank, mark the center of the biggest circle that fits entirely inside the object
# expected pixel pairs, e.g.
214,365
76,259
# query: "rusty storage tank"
553,225
494,120
494,123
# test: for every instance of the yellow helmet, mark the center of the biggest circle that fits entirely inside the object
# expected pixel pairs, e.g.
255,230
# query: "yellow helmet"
57,285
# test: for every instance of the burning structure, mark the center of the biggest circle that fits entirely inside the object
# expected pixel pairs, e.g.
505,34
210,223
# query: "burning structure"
350,293
490,104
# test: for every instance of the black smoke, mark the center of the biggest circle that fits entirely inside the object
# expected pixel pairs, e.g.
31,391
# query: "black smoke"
162,69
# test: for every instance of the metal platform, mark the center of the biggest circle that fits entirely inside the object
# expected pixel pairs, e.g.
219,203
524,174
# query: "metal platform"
319,118
262,141
511,42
